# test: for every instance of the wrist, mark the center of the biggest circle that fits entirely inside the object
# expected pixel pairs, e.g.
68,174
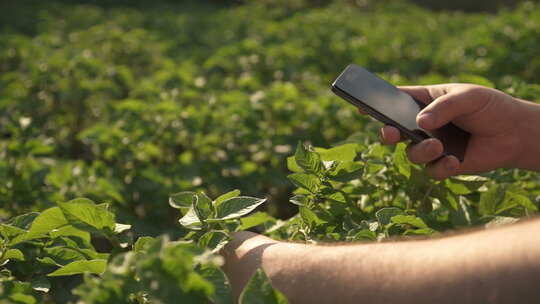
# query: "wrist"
529,132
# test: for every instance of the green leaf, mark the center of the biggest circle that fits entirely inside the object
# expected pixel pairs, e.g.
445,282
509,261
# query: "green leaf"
336,196
84,211
14,254
64,255
45,222
22,298
204,205
299,200
364,235
409,220
385,215
213,240
310,217
181,199
400,160
226,196
305,181
521,200
255,219
223,290
292,165
345,153
491,199
465,184
12,233
308,160
77,267
142,243
347,171
191,220
259,290
41,283
23,221
71,231
237,206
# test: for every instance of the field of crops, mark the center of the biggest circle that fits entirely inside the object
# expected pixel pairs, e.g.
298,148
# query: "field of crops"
126,130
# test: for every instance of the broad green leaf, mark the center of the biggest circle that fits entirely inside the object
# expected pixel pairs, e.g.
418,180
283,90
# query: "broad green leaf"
346,152
64,255
190,220
204,204
199,211
465,184
41,283
409,220
14,254
259,290
23,221
308,160
255,219
521,200
223,290
401,162
305,181
347,171
237,206
375,151
364,235
77,267
337,196
21,298
143,243
226,196
44,223
385,215
69,230
181,199
491,199
213,240
12,233
292,165
310,217
461,216
85,211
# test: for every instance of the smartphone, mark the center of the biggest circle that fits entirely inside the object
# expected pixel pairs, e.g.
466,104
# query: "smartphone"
388,104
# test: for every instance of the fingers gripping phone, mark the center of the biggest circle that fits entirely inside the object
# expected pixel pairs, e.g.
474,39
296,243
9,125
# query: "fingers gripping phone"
388,104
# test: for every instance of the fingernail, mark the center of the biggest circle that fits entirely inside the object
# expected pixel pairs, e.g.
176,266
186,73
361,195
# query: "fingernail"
430,148
451,164
426,120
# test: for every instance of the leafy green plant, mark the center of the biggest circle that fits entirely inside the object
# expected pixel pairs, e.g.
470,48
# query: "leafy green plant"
127,103
38,249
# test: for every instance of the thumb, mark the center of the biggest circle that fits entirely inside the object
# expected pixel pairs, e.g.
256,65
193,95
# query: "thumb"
452,106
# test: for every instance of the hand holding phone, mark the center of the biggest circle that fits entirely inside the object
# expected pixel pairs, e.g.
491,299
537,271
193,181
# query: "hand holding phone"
394,107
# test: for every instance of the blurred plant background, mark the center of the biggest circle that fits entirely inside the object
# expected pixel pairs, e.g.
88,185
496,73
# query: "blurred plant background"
127,102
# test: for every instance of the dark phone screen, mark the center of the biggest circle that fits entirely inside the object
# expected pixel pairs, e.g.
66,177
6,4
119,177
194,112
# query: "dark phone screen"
380,95
393,106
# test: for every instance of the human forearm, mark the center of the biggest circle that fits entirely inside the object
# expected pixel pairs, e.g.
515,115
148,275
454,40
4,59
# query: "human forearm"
471,268
530,145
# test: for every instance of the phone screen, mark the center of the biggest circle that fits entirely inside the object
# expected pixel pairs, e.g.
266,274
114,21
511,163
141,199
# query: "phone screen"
381,96
392,106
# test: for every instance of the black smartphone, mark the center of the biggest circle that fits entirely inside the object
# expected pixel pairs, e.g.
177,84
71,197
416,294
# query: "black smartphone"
388,104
